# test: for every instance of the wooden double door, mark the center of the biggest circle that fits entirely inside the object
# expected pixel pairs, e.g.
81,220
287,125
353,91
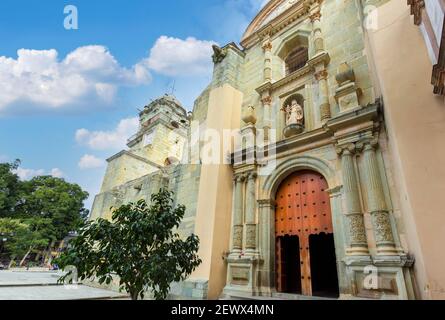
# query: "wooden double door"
305,251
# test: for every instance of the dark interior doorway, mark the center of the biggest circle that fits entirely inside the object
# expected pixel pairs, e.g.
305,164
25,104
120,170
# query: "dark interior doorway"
290,264
323,266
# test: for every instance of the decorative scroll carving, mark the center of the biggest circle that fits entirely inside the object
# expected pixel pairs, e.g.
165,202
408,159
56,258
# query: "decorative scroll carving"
416,10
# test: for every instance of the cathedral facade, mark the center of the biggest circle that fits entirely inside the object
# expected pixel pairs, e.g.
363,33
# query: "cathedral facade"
302,162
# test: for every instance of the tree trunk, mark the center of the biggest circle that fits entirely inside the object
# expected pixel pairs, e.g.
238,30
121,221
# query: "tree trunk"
11,262
24,258
134,295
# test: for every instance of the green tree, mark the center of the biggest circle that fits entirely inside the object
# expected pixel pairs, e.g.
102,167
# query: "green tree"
139,245
10,188
22,238
55,199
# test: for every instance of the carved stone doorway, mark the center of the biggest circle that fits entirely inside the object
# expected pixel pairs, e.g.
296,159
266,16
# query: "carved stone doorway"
305,251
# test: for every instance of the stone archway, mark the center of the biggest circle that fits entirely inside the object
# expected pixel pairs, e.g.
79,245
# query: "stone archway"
267,207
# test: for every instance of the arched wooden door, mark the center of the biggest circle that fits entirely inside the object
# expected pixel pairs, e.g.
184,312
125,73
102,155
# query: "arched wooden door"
303,212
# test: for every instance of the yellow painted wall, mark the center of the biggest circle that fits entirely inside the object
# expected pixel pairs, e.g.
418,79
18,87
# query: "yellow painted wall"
415,120
213,217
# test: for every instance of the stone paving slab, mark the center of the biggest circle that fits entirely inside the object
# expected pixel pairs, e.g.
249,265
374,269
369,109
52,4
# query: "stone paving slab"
57,293
32,285
16,278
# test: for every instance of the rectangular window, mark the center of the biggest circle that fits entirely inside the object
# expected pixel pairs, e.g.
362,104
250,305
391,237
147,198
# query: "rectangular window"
148,139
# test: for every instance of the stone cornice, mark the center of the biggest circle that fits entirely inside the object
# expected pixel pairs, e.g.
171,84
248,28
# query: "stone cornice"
350,127
268,86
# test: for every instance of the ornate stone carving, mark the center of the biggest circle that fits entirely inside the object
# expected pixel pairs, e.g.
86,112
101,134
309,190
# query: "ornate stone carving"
238,237
416,10
267,45
316,16
267,101
357,230
382,227
218,54
251,236
321,75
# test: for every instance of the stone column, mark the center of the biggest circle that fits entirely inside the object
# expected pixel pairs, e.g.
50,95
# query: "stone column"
267,121
267,245
267,47
354,214
377,203
251,235
325,107
237,237
317,32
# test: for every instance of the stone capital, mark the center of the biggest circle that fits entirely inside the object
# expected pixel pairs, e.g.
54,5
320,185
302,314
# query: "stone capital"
267,203
345,149
267,101
321,75
252,175
267,45
239,177
316,16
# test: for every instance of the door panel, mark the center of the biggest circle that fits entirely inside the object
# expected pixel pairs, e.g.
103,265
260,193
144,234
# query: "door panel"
303,209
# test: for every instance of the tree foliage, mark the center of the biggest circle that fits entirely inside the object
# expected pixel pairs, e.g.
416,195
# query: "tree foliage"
22,237
139,245
41,210
10,188
54,198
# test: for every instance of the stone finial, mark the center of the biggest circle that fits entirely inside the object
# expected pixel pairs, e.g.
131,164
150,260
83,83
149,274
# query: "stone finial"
249,116
218,54
345,74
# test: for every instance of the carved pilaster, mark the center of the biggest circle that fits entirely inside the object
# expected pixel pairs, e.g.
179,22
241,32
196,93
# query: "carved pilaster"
377,202
250,212
267,121
267,47
237,239
353,212
325,108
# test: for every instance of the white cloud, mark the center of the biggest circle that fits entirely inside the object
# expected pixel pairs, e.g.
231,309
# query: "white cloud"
3,158
90,162
177,57
57,173
38,77
108,140
27,174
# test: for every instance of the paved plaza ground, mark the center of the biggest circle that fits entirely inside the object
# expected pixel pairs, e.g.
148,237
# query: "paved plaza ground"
42,285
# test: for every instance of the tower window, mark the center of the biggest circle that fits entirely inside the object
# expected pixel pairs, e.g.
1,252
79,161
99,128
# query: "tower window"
148,139
297,59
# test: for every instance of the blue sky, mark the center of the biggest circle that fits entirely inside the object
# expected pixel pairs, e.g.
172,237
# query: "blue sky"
69,98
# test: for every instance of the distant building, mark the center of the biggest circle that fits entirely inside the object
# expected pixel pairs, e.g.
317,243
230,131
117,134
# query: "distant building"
328,174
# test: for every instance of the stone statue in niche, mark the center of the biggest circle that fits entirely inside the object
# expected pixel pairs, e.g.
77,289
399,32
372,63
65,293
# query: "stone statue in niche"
294,119
294,113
